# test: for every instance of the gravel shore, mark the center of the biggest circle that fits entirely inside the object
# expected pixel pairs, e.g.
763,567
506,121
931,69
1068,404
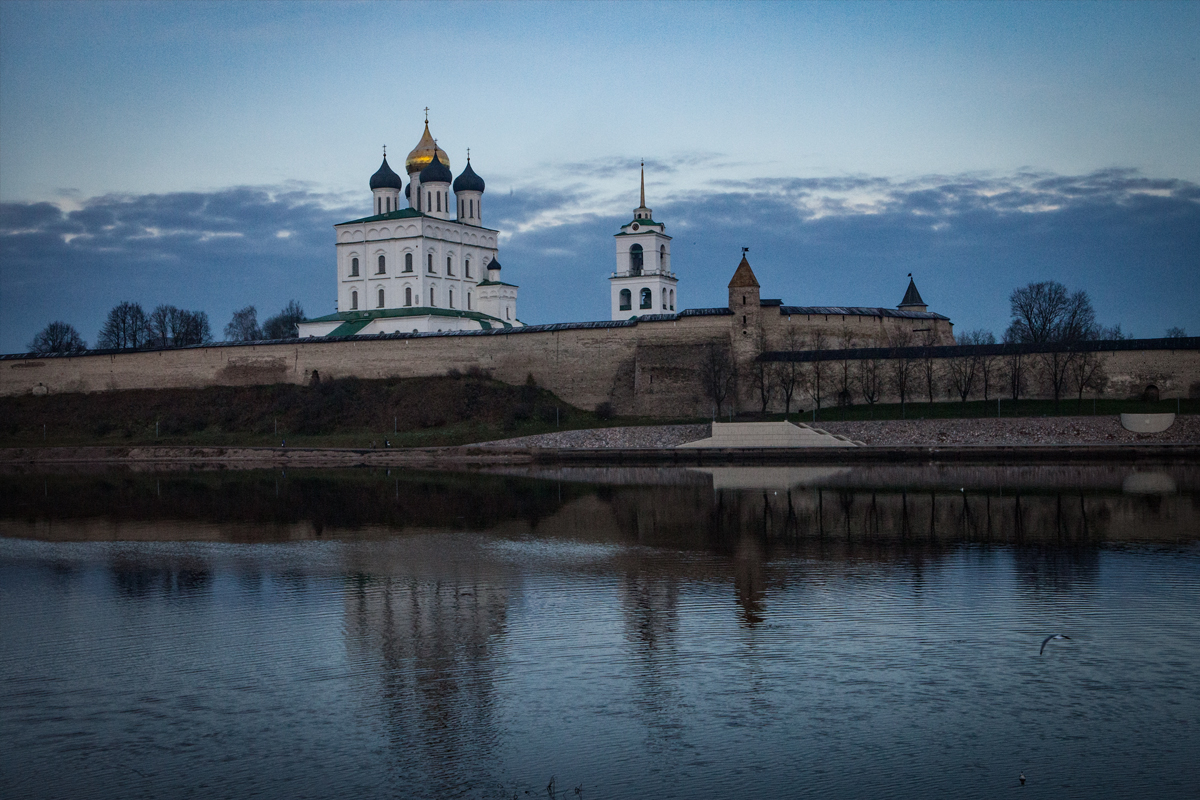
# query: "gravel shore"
652,436
926,432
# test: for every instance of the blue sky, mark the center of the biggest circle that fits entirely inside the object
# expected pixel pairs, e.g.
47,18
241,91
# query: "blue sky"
198,153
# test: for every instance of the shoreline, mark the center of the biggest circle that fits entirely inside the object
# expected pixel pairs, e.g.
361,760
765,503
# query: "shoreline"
1030,439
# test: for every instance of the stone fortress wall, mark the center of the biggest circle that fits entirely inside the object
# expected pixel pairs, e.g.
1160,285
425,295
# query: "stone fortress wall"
649,367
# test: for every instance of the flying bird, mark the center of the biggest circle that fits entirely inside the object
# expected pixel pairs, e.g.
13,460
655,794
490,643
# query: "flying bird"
1058,637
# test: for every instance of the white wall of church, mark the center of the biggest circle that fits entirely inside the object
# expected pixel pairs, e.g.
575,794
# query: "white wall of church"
425,263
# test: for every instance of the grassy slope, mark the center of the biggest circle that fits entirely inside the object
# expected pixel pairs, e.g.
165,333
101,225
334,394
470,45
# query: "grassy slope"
344,413
411,413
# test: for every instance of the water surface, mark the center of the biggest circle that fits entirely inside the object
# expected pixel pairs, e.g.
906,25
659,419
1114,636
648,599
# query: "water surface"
764,632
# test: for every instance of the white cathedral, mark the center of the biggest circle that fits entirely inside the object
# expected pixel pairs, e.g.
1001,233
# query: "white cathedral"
431,266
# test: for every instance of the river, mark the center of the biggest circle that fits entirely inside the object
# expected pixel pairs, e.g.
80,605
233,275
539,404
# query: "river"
631,633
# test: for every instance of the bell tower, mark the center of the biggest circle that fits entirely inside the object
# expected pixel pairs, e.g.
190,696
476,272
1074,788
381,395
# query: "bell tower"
643,282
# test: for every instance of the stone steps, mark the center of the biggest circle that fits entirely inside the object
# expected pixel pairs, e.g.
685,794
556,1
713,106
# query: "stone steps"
769,434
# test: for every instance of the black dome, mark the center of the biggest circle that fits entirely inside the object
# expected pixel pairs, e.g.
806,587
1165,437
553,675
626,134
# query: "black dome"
408,190
386,179
436,172
468,181
493,264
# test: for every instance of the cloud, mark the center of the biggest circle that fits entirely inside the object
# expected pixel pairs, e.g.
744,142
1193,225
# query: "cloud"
1130,241
211,251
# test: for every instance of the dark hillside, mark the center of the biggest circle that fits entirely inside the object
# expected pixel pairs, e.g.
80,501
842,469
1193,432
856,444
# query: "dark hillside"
350,412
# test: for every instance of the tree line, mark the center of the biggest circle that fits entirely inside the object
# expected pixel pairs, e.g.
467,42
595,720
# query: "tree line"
129,327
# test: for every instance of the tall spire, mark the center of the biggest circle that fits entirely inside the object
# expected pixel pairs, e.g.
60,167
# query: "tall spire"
641,212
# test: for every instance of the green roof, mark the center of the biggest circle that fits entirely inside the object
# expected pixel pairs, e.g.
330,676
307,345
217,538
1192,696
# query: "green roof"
409,213
349,328
355,321
497,283
404,213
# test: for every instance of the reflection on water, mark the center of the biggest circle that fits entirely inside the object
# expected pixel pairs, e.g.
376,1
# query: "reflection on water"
766,632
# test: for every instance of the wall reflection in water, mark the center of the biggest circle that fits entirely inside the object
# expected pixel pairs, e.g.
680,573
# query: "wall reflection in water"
713,632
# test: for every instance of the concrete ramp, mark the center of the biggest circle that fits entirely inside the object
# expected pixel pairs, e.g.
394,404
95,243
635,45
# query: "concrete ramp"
769,434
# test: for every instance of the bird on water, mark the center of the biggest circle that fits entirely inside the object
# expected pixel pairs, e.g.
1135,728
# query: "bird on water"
1058,637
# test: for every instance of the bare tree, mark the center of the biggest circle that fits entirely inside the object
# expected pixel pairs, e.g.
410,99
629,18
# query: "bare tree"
844,373
191,327
789,374
1176,333
900,367
244,326
762,373
57,337
168,326
1087,372
160,326
1047,312
928,366
718,374
283,324
988,365
124,328
1015,368
963,372
817,371
870,379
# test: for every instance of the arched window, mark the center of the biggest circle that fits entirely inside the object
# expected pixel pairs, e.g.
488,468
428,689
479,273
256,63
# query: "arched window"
468,301
408,295
431,303
382,266
664,299
381,298
408,262
635,259
626,300
449,266
353,301
472,203
672,299
508,312
467,267
662,256
647,299
378,205
451,300
439,200
431,263
354,268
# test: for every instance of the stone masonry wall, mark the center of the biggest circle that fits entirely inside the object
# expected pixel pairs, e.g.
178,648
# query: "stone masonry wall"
651,368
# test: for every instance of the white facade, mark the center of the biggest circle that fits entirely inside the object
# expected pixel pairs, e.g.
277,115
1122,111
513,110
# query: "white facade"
643,282
429,267
415,261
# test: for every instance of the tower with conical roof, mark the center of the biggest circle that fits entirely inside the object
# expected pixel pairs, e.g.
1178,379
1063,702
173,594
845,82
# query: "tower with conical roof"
912,298
643,282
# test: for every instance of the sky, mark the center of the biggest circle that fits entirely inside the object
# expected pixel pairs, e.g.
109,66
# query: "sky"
198,154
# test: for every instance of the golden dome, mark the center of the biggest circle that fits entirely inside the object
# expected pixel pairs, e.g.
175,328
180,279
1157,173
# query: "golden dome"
422,154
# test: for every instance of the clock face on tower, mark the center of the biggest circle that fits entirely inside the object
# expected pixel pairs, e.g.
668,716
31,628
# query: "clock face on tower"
636,226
